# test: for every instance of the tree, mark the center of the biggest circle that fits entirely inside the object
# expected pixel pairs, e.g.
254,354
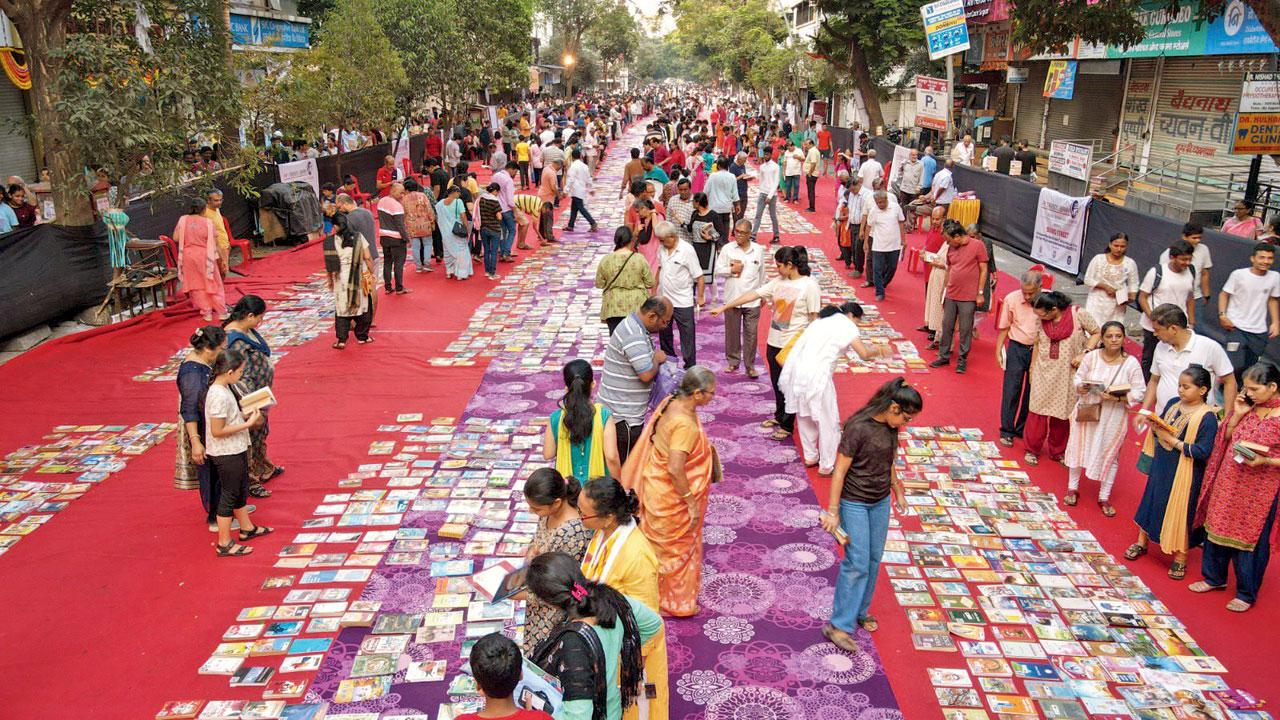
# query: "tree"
572,19
587,65
614,36
1045,25
729,36
783,70
866,38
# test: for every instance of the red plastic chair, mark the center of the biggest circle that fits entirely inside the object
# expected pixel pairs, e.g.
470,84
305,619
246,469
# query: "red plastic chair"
359,196
408,171
246,249
170,261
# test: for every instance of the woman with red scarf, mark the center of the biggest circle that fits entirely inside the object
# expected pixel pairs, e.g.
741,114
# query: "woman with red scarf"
1066,334
934,282
1238,502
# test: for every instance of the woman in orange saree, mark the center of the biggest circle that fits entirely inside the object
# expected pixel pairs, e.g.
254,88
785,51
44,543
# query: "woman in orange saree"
671,469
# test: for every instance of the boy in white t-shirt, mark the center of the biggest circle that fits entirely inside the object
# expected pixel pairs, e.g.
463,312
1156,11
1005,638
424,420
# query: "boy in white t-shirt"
1249,308
1201,260
1172,283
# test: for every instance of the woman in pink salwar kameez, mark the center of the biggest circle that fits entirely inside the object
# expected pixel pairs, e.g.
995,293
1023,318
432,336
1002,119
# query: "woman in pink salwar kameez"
198,260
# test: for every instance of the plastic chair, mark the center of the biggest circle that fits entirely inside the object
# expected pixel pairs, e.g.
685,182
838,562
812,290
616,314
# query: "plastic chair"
246,249
913,259
170,261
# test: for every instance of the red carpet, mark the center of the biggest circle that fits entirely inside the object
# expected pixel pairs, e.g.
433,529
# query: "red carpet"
973,400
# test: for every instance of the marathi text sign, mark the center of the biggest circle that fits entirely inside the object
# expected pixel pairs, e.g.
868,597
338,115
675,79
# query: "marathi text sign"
1058,239
932,97
1256,134
1260,92
945,30
304,170
1070,159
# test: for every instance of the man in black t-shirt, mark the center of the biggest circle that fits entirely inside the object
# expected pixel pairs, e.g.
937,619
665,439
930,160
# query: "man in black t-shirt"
1027,157
1004,155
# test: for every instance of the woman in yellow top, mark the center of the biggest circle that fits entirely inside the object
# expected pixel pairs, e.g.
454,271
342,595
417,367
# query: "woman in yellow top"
581,436
671,469
620,556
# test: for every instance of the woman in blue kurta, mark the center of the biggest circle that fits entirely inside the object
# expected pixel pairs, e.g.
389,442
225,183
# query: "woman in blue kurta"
580,436
1176,465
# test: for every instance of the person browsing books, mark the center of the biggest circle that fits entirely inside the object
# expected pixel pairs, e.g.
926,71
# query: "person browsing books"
497,666
554,499
227,449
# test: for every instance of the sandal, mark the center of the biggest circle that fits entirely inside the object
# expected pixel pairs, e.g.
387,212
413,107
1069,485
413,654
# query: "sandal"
259,492
869,624
232,549
771,422
1031,460
1204,587
257,532
1178,570
840,638
753,374
780,434
275,473
1107,509
338,345
1238,605
1071,499
365,341
1135,551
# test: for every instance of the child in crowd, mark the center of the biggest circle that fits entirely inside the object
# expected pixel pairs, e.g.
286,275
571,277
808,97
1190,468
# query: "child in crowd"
497,666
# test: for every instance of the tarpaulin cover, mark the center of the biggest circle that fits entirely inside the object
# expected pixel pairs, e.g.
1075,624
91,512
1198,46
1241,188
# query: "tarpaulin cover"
49,271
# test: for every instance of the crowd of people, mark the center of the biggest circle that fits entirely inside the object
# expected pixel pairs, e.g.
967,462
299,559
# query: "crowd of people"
622,502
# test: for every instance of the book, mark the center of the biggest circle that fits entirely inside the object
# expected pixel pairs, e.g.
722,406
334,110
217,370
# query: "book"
1250,450
1119,390
259,399
262,710
499,581
222,710
180,710
254,676
1155,420
284,689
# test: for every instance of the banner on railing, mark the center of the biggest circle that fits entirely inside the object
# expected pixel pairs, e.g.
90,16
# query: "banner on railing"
1058,239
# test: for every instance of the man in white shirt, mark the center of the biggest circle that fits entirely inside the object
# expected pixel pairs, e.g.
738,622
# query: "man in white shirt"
1180,347
857,200
578,185
885,228
812,168
792,168
767,195
942,191
962,153
722,192
679,272
742,265
452,155
1171,283
870,169
1201,259
1246,302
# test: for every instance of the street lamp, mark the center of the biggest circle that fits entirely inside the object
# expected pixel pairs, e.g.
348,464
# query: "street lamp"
569,59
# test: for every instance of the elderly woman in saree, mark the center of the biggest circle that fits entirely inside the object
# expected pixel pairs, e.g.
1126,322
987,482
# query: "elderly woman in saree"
806,380
450,213
353,285
1241,483
671,470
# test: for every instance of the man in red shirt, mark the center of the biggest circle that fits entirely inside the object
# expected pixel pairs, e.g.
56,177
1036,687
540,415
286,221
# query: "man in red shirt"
674,159
967,264
387,174
435,146
824,147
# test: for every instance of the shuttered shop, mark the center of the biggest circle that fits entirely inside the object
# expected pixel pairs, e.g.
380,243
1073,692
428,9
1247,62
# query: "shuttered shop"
1137,107
1195,114
1093,112
16,157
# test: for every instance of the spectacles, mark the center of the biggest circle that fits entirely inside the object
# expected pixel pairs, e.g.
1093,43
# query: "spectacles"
588,517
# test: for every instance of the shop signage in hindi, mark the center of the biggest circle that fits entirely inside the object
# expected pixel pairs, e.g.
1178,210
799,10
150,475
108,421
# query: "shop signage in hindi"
1058,239
1256,134
932,98
1070,159
1060,82
1260,92
945,30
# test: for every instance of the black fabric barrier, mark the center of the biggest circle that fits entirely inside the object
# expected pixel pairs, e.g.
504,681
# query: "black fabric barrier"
151,218
1008,213
49,272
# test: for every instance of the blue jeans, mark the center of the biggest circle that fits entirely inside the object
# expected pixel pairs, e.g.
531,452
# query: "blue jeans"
490,240
578,206
867,526
883,267
508,232
420,252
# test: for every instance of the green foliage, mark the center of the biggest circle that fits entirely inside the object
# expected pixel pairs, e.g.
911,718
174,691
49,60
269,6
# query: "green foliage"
885,30
728,36
588,68
572,20
615,34
1048,25
125,109
659,58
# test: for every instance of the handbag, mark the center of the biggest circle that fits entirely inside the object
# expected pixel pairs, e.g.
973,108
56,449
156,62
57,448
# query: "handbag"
459,230
1092,412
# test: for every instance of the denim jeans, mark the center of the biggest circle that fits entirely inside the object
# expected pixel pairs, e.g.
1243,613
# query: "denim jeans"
883,267
578,206
766,201
867,526
490,240
420,252
508,232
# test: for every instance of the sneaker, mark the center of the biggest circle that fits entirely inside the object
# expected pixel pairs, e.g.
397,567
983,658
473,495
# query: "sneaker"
940,362
961,366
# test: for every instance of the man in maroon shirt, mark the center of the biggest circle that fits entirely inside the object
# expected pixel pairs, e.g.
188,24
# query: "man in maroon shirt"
387,174
967,264
435,146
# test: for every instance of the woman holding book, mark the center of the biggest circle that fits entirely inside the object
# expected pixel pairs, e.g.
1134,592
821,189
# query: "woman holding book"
1108,382
596,652
858,506
935,276
353,286
581,437
1174,457
554,499
1066,334
191,471
259,372
1113,278
620,556
227,450
1238,506
671,468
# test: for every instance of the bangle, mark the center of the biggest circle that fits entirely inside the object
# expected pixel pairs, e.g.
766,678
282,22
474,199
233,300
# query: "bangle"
687,495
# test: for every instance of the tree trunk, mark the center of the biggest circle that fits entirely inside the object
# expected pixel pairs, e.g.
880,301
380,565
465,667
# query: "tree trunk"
866,86
43,32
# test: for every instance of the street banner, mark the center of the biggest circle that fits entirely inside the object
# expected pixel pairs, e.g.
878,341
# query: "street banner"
1060,83
1058,238
304,170
945,30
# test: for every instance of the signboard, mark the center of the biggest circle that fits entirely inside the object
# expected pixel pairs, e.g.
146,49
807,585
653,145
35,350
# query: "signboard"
1260,93
254,31
304,170
900,156
1236,31
1059,233
933,95
1256,134
1070,159
945,30
1018,75
1060,83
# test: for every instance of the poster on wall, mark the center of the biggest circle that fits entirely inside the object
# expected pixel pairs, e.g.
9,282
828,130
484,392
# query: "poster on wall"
932,97
304,170
1060,83
1059,233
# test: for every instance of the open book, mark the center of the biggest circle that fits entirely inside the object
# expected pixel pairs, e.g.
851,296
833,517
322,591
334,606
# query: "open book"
1156,421
259,399
499,581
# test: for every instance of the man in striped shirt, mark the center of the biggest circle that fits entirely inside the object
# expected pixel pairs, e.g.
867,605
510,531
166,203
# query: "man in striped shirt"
393,237
630,365
528,210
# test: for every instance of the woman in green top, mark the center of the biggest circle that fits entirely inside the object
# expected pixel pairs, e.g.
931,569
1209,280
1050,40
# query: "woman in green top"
596,653
626,279
580,436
